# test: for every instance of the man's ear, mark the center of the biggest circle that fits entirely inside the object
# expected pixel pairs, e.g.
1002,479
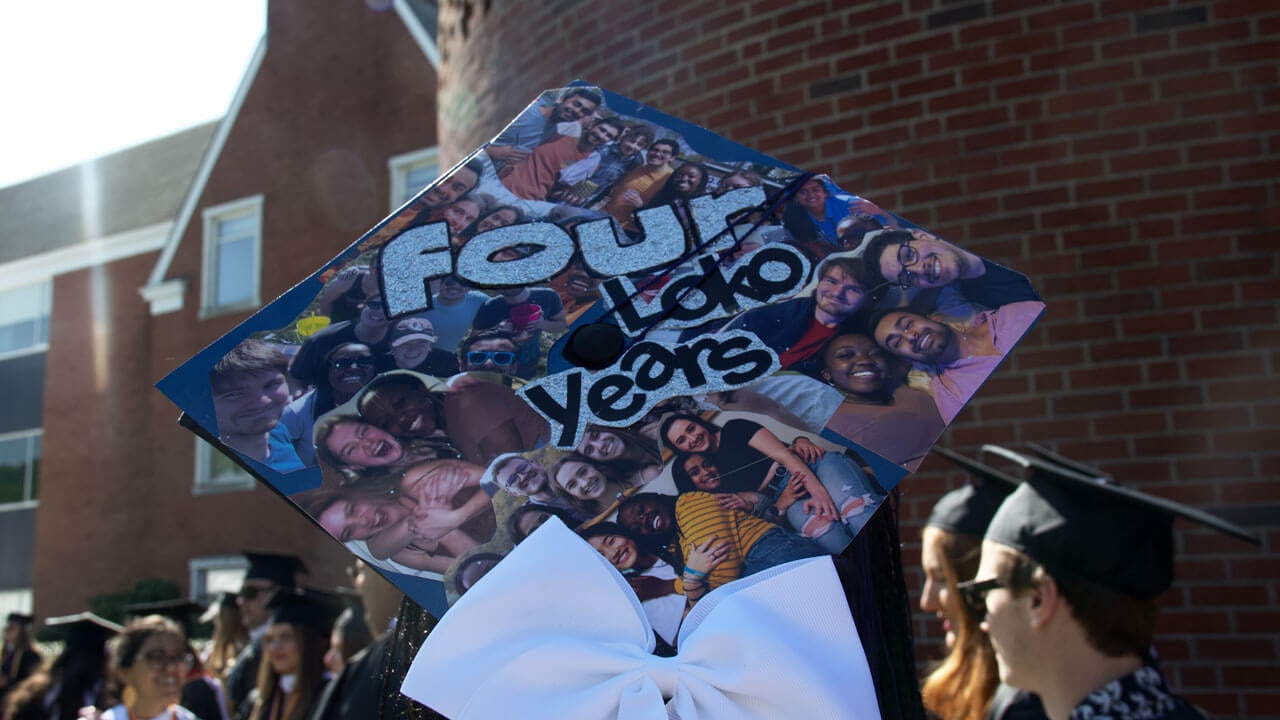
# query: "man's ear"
1046,601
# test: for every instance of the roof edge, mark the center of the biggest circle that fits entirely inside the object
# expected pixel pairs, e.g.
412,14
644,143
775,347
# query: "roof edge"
207,163
419,33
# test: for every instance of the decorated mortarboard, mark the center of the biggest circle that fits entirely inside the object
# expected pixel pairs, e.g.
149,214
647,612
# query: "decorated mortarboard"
1089,528
306,607
83,631
273,567
968,510
707,295
17,618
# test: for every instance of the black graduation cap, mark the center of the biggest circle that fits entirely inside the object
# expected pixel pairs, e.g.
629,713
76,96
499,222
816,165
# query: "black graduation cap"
17,618
307,607
180,611
968,510
274,568
84,631
224,599
1046,454
1089,528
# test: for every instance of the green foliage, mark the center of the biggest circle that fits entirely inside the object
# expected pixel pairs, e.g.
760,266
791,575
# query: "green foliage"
110,605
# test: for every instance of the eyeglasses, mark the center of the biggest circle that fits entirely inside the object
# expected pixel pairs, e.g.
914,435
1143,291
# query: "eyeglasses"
973,595
344,363
907,256
501,358
157,660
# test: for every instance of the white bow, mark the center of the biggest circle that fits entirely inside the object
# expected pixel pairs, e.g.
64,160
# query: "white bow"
555,632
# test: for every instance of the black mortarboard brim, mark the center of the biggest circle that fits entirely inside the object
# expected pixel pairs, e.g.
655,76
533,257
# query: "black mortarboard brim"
1048,455
84,631
1091,529
20,618
278,569
306,607
224,599
180,611
968,510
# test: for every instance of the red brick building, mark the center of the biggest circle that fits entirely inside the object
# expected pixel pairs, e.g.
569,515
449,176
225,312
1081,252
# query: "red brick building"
1123,154
333,125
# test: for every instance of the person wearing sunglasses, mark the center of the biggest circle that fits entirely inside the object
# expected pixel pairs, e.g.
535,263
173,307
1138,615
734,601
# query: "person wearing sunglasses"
267,573
311,364
963,684
1072,567
150,661
491,350
348,368
917,259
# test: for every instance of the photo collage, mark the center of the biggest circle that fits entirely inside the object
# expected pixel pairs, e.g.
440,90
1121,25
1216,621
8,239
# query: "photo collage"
406,437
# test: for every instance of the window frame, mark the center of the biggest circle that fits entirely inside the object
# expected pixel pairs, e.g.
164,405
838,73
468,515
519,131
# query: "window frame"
46,300
30,479
251,206
198,572
204,483
401,165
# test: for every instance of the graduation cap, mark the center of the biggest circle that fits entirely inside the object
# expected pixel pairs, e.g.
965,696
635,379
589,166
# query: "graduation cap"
1088,528
718,273
17,618
306,607
180,611
274,568
1046,454
968,510
84,631
224,599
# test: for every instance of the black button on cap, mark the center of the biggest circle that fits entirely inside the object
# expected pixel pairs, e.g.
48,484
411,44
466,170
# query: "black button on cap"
595,346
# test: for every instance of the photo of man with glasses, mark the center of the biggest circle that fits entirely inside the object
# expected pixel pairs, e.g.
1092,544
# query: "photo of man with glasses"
921,260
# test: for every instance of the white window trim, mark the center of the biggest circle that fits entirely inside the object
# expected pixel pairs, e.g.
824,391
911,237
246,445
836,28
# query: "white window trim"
399,167
203,484
197,567
208,290
25,504
48,300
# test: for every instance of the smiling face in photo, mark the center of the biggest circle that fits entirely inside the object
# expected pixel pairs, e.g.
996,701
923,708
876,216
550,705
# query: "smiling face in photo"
856,364
359,444
914,337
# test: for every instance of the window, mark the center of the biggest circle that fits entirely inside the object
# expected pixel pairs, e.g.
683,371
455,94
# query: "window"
212,575
232,256
24,318
19,467
410,173
216,472
15,600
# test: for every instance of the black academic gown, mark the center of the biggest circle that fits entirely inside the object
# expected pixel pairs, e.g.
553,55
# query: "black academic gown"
244,674
360,691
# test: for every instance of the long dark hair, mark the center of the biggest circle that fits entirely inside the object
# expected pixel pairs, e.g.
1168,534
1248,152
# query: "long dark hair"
612,528
311,647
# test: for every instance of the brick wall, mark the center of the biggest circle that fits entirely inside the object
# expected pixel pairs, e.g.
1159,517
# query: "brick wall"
1123,153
